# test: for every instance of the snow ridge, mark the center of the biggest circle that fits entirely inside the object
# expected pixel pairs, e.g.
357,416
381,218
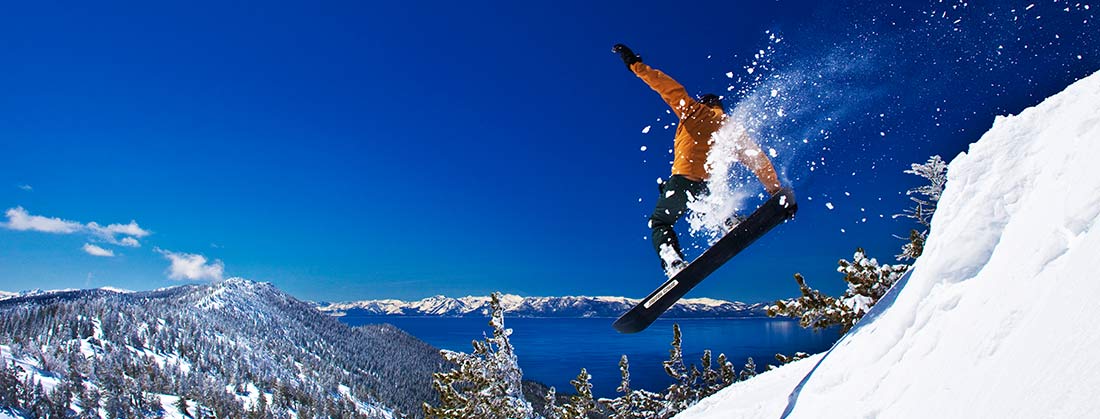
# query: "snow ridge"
517,306
1007,279
238,334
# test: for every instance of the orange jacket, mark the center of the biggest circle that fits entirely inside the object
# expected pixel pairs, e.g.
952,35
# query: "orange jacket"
697,121
693,134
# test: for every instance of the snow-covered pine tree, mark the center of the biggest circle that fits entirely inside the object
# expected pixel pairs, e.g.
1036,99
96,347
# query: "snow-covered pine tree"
259,410
487,383
58,401
726,369
39,404
9,386
620,407
153,406
711,379
89,403
749,371
912,249
581,403
508,377
935,172
633,403
182,407
867,283
784,359
813,309
925,199
683,392
552,409
678,394
624,372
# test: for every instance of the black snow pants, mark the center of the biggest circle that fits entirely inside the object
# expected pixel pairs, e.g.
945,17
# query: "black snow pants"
671,205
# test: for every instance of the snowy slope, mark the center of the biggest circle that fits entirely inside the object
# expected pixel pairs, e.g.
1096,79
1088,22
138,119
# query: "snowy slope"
223,344
32,372
997,318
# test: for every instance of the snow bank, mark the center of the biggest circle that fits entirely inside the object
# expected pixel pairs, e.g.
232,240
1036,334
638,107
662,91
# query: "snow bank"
997,318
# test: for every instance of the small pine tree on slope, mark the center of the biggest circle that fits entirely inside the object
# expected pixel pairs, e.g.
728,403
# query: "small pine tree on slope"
867,283
684,391
581,403
552,409
867,280
633,403
749,371
487,383
925,201
711,379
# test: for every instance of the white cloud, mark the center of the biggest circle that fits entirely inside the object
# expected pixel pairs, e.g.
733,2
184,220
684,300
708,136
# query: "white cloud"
27,188
189,266
94,250
20,219
131,229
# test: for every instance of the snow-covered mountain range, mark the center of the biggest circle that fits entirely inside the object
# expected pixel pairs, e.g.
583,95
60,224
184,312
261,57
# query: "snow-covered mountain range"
995,319
517,307
232,349
39,292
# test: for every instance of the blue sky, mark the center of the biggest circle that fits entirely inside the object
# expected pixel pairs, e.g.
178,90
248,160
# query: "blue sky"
356,150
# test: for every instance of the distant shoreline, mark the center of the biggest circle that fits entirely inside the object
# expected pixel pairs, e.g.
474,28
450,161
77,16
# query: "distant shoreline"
423,316
515,306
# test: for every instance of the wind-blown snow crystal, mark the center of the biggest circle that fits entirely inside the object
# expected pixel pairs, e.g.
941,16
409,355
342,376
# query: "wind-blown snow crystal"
795,99
785,110
728,187
1007,279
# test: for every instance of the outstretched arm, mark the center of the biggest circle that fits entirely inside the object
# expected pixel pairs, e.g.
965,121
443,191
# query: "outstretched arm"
670,90
750,154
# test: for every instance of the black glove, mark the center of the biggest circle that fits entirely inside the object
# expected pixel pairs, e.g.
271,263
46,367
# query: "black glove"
626,54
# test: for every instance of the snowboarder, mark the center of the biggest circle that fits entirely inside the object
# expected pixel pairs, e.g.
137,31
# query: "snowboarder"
698,120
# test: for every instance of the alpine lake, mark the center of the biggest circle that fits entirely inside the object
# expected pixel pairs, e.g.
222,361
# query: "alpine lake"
553,350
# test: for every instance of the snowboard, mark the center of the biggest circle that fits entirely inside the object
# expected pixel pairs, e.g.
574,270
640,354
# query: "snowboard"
775,211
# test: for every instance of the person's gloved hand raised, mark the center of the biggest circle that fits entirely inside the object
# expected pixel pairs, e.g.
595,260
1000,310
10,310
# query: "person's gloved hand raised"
628,56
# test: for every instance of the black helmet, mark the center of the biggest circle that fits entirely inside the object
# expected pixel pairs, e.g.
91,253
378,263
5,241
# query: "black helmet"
711,99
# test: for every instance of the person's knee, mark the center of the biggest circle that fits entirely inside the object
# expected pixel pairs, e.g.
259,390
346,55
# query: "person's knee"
656,223
664,237
664,216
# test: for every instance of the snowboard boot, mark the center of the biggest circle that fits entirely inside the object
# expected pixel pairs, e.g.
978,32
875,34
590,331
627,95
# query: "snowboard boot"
732,223
672,261
675,267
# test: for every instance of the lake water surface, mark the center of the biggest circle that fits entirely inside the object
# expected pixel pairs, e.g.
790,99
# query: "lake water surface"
553,350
